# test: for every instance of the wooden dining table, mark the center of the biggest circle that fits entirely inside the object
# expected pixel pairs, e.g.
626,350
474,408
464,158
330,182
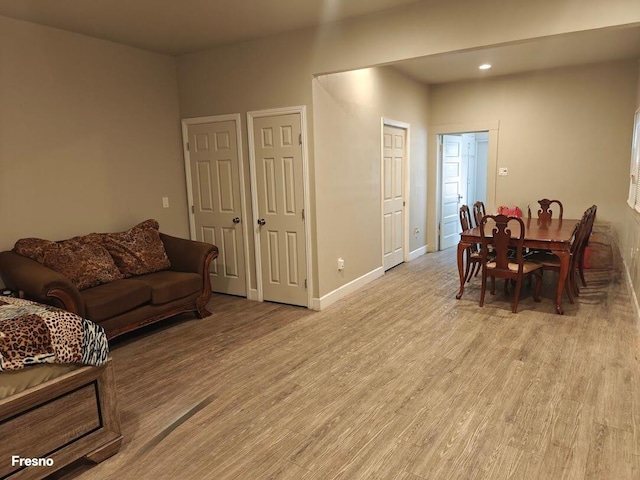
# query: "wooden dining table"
554,235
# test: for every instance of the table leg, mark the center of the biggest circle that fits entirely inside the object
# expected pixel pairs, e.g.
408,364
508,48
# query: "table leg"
462,247
565,258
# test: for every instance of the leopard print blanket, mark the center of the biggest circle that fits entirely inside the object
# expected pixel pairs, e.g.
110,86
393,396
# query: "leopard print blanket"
32,333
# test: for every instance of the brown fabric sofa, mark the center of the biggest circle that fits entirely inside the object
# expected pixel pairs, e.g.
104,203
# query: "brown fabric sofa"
122,300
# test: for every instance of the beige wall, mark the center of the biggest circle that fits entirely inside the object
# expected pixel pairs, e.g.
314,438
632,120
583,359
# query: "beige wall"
277,71
562,134
348,108
264,73
89,136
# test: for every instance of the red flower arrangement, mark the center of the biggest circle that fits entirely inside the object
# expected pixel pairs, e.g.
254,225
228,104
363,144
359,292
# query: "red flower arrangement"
510,211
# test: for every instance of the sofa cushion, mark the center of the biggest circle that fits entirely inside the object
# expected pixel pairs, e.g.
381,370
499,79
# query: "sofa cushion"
110,299
32,248
86,264
168,285
137,251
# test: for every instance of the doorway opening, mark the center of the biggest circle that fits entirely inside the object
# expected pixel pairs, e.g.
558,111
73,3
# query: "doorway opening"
463,160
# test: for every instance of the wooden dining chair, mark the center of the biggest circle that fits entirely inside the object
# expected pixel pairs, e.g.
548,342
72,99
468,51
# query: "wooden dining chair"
545,213
478,211
503,266
550,261
591,211
472,263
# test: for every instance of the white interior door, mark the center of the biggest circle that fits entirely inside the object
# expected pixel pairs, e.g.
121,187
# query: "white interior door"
278,171
469,195
217,213
452,187
482,150
393,162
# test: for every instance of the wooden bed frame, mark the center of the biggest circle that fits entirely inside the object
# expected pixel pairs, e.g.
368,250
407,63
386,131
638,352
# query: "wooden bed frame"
72,417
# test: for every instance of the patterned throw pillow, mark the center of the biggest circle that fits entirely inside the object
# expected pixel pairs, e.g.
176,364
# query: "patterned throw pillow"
139,250
32,248
85,263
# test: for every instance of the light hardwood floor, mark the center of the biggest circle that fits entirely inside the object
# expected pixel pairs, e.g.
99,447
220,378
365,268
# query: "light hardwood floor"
397,381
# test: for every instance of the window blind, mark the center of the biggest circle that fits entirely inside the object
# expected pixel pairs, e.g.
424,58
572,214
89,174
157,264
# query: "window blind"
634,170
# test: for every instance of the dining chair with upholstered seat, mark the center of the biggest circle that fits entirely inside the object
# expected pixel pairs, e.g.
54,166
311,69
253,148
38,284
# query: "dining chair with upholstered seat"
503,231
472,263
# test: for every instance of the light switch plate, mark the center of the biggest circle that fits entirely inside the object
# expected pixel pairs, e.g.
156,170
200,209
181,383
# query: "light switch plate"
503,172
165,202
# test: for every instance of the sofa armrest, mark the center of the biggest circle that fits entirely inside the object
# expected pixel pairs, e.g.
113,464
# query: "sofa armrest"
188,255
40,283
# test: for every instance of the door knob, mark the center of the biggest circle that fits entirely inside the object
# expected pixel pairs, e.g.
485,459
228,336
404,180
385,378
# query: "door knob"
236,220
261,221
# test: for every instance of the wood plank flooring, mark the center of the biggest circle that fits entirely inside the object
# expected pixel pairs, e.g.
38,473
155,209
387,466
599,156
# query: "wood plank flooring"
397,381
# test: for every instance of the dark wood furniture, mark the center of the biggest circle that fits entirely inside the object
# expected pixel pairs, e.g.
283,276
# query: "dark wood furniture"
549,261
479,211
72,417
545,213
554,236
472,257
503,232
585,241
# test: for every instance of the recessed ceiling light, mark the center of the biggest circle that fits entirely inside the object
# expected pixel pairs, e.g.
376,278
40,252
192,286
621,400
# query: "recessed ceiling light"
485,66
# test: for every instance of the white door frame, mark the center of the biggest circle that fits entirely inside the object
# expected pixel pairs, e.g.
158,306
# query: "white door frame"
405,183
302,110
243,203
492,163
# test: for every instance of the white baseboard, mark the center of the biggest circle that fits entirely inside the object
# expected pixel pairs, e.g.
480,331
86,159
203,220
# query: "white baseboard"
418,252
253,294
315,304
346,289
632,293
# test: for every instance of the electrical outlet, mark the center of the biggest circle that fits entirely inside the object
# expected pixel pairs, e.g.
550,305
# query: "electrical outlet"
165,202
341,264
416,231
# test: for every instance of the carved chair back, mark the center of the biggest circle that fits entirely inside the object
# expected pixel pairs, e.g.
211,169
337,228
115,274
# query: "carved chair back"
503,231
465,218
587,222
545,213
478,211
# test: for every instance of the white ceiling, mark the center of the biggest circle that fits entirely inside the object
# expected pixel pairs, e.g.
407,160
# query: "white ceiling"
181,26
592,46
